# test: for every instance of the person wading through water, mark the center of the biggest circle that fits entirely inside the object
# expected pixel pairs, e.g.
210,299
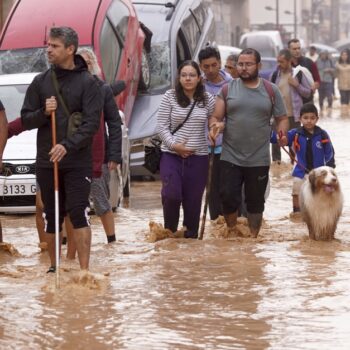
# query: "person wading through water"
245,157
80,93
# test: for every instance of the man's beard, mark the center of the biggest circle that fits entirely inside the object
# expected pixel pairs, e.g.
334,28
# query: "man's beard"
251,77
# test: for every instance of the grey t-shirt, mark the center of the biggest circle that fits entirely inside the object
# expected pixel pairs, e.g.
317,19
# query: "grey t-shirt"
246,138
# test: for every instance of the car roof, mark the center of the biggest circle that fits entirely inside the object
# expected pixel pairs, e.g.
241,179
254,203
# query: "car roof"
21,23
17,79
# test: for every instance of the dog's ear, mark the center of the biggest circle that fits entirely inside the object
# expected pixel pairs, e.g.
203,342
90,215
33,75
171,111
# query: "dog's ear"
312,180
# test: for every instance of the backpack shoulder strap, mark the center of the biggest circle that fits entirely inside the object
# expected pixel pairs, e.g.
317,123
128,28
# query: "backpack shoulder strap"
274,76
224,90
299,76
269,90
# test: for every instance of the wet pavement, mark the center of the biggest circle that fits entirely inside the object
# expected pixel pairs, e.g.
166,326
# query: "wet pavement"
279,291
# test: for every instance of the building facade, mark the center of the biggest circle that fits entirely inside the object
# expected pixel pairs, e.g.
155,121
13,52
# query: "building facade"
231,20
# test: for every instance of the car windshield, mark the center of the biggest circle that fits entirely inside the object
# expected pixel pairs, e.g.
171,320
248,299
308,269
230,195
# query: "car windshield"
262,44
160,66
23,60
12,97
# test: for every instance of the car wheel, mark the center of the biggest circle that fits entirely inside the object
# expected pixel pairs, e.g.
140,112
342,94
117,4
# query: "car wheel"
145,76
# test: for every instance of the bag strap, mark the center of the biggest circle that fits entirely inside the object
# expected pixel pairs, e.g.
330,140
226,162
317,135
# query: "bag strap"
188,114
60,97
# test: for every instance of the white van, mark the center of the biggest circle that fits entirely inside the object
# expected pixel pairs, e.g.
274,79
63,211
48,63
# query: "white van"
267,42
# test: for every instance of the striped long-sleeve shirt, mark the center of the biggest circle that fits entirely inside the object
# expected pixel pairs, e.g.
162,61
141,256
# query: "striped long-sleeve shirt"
193,132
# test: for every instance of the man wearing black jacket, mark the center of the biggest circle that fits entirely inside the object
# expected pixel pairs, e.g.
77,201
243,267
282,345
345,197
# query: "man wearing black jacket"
80,93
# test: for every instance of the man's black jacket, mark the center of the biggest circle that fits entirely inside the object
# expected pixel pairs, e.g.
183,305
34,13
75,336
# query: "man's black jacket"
81,93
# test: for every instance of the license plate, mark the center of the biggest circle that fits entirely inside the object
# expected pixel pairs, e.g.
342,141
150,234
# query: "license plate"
17,189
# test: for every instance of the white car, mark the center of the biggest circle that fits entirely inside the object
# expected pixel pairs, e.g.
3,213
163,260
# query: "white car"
17,180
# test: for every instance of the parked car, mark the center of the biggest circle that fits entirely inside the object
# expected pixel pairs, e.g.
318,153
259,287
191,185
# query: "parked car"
267,42
225,51
17,181
180,28
268,66
109,27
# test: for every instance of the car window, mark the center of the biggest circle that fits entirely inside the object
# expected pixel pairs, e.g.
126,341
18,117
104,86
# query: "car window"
110,49
118,14
12,97
191,32
160,66
23,60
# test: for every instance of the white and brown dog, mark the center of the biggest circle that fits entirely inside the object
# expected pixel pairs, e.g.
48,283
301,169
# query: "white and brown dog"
321,203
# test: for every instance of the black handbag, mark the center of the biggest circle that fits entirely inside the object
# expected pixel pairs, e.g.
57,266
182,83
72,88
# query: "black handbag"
153,151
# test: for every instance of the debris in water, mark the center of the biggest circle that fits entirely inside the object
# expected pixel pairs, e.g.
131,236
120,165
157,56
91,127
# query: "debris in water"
9,248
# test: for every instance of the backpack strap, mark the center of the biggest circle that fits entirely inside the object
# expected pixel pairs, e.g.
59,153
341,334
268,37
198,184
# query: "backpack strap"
224,90
274,76
270,92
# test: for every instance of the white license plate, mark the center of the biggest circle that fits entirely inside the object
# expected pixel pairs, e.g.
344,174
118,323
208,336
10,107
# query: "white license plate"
17,189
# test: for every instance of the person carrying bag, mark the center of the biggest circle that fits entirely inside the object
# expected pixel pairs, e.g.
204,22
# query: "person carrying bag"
184,158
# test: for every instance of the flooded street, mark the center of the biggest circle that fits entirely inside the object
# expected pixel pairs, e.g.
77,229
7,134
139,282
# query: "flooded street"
279,291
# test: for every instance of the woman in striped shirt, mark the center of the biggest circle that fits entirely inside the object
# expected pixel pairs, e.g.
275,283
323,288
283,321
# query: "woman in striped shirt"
184,161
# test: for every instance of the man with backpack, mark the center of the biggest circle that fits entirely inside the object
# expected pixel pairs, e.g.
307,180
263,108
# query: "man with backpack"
294,87
306,64
248,105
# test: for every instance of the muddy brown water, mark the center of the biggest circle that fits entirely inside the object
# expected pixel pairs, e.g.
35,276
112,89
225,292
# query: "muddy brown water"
280,291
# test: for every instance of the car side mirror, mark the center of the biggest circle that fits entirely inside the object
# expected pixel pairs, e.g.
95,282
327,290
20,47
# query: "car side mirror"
118,87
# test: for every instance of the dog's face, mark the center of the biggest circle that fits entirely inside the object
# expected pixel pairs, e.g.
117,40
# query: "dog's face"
324,178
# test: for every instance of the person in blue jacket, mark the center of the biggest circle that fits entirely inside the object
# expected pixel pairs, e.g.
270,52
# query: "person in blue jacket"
312,146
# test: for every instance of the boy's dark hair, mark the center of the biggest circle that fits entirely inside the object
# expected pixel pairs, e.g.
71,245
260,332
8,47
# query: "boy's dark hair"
308,108
250,51
68,36
209,52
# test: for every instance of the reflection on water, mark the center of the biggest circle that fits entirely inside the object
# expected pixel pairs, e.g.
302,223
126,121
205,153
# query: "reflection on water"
280,291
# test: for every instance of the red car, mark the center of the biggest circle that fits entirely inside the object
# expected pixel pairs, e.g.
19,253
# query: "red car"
110,27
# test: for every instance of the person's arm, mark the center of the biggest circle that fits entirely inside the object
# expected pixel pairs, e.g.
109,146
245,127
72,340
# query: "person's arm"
15,127
216,124
328,151
281,118
3,134
315,75
303,88
114,124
